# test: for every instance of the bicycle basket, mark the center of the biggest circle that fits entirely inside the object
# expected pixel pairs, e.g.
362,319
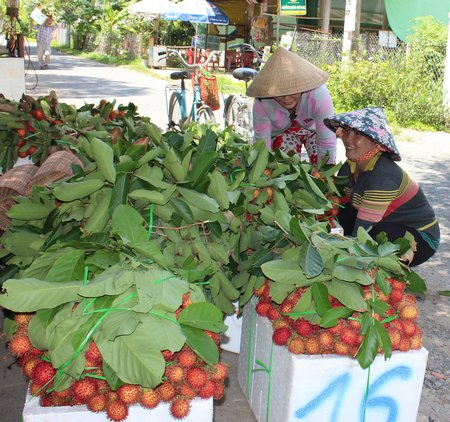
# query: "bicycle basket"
209,91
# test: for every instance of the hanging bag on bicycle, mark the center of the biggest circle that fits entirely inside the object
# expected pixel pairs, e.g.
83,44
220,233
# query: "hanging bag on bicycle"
209,90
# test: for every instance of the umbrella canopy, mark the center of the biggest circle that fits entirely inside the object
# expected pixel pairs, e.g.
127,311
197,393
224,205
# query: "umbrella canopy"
196,11
150,8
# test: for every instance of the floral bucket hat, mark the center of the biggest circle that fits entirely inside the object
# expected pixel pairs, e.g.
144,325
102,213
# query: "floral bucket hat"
371,122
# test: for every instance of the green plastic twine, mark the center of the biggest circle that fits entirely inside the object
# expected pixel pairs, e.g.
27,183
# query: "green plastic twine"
249,355
150,222
268,370
366,395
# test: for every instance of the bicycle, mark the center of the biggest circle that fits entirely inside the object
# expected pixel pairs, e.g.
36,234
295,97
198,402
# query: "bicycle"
176,96
238,108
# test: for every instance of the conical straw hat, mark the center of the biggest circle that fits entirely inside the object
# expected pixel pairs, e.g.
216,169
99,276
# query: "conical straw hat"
286,73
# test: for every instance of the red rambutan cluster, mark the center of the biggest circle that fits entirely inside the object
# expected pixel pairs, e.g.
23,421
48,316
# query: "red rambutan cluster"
302,337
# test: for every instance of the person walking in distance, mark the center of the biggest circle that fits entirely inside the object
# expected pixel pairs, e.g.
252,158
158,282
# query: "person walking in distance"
44,38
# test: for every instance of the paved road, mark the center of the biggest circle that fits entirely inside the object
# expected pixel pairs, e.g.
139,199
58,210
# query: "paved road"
426,157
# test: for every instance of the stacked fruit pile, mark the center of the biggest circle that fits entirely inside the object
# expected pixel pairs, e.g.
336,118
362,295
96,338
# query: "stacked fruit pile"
186,377
300,336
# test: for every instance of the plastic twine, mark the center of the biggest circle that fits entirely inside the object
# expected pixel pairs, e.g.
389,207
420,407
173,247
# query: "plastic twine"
268,370
150,221
249,355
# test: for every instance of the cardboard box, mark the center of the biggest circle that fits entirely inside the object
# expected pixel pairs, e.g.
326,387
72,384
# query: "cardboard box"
38,16
201,411
282,387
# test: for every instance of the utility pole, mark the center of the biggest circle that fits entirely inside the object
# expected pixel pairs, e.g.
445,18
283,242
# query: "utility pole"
352,24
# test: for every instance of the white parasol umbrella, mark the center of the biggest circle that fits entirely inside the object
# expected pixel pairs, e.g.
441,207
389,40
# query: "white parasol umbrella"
196,11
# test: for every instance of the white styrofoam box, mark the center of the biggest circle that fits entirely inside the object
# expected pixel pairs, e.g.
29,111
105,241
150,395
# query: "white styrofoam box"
201,411
12,82
282,387
231,339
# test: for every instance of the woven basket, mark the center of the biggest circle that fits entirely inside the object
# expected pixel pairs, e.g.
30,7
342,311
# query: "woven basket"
17,178
209,91
56,167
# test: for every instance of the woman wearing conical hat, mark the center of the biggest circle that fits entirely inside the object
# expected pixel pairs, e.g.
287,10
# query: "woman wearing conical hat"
291,103
379,196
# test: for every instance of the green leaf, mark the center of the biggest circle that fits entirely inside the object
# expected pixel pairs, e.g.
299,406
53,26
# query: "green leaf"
67,267
144,364
380,278
28,211
29,294
330,317
416,283
104,158
37,329
199,200
364,237
383,339
129,224
387,248
217,189
390,263
259,165
166,333
202,315
172,163
348,294
368,349
119,323
297,231
202,165
310,260
201,344
23,243
285,272
152,196
182,209
320,295
352,274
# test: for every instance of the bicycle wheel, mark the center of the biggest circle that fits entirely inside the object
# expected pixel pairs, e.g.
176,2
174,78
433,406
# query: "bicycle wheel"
174,115
205,115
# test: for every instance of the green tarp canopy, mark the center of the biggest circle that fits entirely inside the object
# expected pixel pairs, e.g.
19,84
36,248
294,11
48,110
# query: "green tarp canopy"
400,13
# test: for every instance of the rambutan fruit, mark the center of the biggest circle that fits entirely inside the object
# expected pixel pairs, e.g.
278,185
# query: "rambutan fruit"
397,284
281,322
167,355
341,348
286,307
43,373
186,358
20,344
395,336
405,344
219,371
196,377
93,354
186,300
336,329
312,345
174,373
37,389
63,394
296,346
214,336
46,401
408,326
219,391
408,311
111,395
129,393
207,390
395,296
410,298
149,398
116,410
23,319
416,341
180,408
97,402
281,336
102,385
186,391
28,366
303,327
166,391
273,313
84,388
326,340
349,336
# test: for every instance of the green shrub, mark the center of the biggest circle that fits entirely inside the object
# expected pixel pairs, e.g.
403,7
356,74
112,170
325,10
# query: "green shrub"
408,83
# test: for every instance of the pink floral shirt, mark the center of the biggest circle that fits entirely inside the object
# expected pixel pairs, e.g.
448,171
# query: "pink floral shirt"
271,119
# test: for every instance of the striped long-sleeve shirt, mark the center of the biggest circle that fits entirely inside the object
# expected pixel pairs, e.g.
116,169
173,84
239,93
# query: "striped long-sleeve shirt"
271,119
385,192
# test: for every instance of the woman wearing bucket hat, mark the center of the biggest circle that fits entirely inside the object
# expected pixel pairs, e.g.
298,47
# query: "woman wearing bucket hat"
380,196
291,103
